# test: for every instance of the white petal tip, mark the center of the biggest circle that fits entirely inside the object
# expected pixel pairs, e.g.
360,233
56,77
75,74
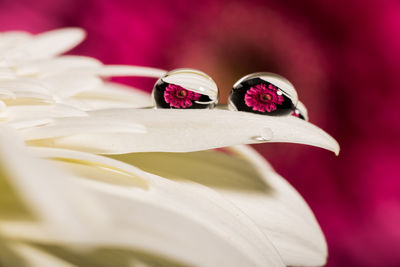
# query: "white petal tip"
77,34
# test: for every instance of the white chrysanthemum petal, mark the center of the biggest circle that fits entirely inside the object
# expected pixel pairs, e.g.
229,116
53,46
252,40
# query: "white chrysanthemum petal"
120,70
8,41
203,232
25,85
2,106
90,161
51,43
253,187
6,93
24,124
184,130
26,116
72,126
114,91
20,96
60,64
25,89
285,216
6,74
61,205
192,218
71,83
13,37
109,95
28,112
37,257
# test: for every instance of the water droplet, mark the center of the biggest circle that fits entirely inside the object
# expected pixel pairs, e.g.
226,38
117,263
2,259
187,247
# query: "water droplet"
185,89
263,93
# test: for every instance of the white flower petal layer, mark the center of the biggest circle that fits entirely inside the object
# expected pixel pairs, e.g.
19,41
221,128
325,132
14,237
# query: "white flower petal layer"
48,67
51,43
109,95
121,70
286,217
252,186
182,131
204,228
59,204
38,258
82,125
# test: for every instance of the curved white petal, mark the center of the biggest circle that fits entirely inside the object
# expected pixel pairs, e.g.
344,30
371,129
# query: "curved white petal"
109,95
24,85
6,74
59,204
29,123
28,112
205,229
253,186
37,257
18,91
51,43
27,116
71,83
48,67
72,126
182,131
2,107
8,41
121,70
288,220
6,93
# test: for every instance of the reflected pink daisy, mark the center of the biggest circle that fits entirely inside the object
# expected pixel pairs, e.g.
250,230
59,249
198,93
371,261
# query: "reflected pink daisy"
296,113
178,97
262,98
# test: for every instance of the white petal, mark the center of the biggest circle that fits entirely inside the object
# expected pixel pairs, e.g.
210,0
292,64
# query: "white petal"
286,217
253,187
110,95
56,65
10,40
62,206
38,258
120,70
26,88
2,107
23,124
52,43
171,130
83,125
27,112
6,74
114,172
26,116
71,83
205,230
6,93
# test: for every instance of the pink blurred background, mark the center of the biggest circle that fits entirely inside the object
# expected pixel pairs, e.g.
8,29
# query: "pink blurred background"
342,56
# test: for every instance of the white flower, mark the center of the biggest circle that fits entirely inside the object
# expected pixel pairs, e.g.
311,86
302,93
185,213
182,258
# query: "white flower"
64,204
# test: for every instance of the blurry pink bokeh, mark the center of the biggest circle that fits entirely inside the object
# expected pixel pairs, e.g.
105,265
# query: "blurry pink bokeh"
342,56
